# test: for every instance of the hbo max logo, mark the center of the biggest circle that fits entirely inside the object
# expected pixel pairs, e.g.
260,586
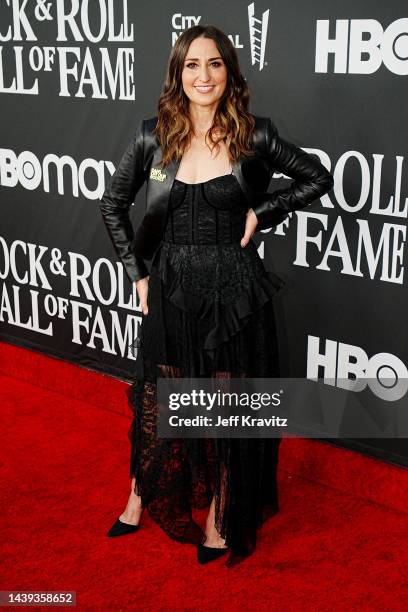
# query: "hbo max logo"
349,367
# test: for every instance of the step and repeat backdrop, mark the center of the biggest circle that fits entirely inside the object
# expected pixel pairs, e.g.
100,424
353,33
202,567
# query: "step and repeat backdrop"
75,80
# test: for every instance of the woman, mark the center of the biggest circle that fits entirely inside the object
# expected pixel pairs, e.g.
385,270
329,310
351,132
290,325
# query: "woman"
207,304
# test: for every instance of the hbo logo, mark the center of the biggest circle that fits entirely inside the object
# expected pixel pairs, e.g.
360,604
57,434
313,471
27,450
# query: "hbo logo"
349,367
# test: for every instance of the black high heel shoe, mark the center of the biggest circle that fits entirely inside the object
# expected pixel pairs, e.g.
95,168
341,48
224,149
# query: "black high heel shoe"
119,528
205,554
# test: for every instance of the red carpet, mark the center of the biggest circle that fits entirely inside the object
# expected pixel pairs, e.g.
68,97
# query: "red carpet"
64,480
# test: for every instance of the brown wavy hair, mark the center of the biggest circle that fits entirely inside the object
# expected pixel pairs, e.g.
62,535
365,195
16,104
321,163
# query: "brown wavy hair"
174,128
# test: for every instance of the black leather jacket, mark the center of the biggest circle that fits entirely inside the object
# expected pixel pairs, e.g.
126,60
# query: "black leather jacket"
139,163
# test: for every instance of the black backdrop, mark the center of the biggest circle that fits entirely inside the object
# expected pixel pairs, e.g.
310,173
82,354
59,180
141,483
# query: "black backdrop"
333,78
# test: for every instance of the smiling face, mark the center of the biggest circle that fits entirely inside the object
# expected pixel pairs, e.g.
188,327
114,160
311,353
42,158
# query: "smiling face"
204,74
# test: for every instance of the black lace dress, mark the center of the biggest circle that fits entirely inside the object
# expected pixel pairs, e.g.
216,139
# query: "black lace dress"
210,314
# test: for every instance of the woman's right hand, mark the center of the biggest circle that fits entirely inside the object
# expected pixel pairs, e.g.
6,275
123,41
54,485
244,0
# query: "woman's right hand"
142,287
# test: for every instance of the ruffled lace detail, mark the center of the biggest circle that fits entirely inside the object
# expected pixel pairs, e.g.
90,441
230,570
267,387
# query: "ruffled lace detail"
235,286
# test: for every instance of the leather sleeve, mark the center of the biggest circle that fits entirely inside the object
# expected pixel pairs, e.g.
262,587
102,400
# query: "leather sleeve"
311,180
116,200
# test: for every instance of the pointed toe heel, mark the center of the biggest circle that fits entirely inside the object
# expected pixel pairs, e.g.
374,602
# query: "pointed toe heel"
119,528
205,554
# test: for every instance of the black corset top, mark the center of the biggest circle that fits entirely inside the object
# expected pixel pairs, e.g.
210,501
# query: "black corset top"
210,212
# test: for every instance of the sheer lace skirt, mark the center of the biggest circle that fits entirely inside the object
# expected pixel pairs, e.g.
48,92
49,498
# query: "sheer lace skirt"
210,315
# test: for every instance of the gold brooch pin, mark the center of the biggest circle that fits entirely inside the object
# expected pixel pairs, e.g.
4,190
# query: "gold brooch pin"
157,175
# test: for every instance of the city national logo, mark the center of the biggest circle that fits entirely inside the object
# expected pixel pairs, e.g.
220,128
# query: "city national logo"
258,30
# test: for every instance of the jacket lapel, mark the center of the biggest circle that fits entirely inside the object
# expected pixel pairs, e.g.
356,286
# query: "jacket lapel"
237,171
159,185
